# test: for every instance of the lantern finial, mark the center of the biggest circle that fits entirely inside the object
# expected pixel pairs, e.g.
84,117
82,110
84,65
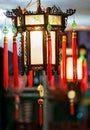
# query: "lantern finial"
74,24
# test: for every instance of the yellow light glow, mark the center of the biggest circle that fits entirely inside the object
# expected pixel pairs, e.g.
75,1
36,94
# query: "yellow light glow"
36,47
53,47
69,69
71,94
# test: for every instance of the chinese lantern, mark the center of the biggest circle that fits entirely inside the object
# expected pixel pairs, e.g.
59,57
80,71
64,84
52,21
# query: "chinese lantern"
40,89
71,96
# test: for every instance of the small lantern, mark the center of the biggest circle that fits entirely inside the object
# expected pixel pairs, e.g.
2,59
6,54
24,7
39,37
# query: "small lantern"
40,89
71,96
69,69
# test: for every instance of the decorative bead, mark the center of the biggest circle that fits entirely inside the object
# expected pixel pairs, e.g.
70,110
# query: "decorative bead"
74,24
14,29
5,30
40,101
82,57
49,27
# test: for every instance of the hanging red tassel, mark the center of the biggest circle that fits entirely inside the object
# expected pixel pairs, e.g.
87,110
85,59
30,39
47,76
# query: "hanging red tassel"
30,79
40,101
72,110
40,114
84,81
74,56
16,112
17,107
49,66
63,65
5,63
15,62
85,68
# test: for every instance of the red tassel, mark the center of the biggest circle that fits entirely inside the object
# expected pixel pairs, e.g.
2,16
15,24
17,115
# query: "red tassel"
84,81
15,62
16,112
40,115
63,66
16,107
5,63
74,56
30,79
40,101
49,66
72,110
85,68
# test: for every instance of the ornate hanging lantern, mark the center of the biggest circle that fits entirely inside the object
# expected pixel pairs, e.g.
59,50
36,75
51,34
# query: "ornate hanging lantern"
33,29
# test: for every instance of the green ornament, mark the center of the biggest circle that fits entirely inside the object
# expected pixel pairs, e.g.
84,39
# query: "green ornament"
5,30
82,57
49,27
74,24
14,29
